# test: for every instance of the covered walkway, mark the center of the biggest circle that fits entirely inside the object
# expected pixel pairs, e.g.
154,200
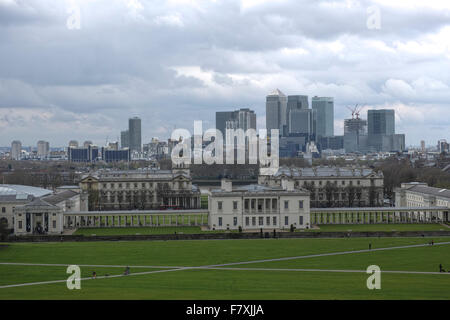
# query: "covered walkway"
135,218
379,215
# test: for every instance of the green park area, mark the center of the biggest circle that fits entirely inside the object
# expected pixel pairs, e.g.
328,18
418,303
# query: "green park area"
228,269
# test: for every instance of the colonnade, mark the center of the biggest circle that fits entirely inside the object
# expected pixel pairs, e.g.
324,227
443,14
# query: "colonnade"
367,217
133,220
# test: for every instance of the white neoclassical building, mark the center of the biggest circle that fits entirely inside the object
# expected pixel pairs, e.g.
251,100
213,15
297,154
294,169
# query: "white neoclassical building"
333,186
259,207
38,217
419,194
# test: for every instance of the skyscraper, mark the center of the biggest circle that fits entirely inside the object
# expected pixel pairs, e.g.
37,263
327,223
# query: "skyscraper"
240,119
16,150
355,135
43,149
124,139
276,108
297,102
324,116
135,138
381,124
73,144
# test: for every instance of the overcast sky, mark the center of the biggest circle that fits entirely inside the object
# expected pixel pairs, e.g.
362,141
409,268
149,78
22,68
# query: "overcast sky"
176,61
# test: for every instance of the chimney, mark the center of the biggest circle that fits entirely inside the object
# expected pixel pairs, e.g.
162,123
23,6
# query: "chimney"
287,184
226,185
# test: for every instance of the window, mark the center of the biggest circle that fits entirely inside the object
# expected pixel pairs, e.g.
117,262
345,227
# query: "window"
253,221
300,204
20,224
3,209
343,183
105,186
54,224
301,220
274,221
143,185
268,221
220,221
359,182
261,221
246,204
219,205
235,205
286,220
247,221
286,204
235,221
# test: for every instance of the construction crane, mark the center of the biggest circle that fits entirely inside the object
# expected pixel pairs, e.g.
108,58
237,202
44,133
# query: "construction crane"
355,111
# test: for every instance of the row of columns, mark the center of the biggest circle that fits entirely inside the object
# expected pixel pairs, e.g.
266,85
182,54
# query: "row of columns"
129,220
268,205
376,217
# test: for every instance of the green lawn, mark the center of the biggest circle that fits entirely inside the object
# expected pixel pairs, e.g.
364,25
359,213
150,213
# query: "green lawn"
382,227
228,284
142,231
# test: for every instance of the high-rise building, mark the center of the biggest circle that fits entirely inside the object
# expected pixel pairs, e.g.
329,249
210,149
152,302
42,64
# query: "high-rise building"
16,150
294,103
381,133
73,144
324,116
355,135
240,119
134,134
443,146
301,121
381,123
43,149
124,139
87,143
422,145
276,111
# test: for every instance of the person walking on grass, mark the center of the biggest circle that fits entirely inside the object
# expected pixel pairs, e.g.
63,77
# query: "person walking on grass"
127,271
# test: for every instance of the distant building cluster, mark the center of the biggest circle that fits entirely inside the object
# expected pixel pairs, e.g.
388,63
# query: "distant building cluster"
305,126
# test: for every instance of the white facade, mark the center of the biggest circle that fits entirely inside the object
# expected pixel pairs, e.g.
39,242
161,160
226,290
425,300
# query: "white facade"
16,150
43,149
255,207
417,194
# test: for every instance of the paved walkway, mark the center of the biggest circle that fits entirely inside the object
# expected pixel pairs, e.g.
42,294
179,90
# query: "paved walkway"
222,266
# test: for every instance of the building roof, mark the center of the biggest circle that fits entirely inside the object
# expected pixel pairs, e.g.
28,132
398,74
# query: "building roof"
22,192
38,202
20,198
325,172
439,192
60,197
136,174
276,92
259,188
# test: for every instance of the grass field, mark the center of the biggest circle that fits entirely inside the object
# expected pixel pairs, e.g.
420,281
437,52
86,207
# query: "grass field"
160,261
194,229
382,227
140,230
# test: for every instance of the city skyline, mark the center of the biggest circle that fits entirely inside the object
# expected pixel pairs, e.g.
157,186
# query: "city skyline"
190,70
